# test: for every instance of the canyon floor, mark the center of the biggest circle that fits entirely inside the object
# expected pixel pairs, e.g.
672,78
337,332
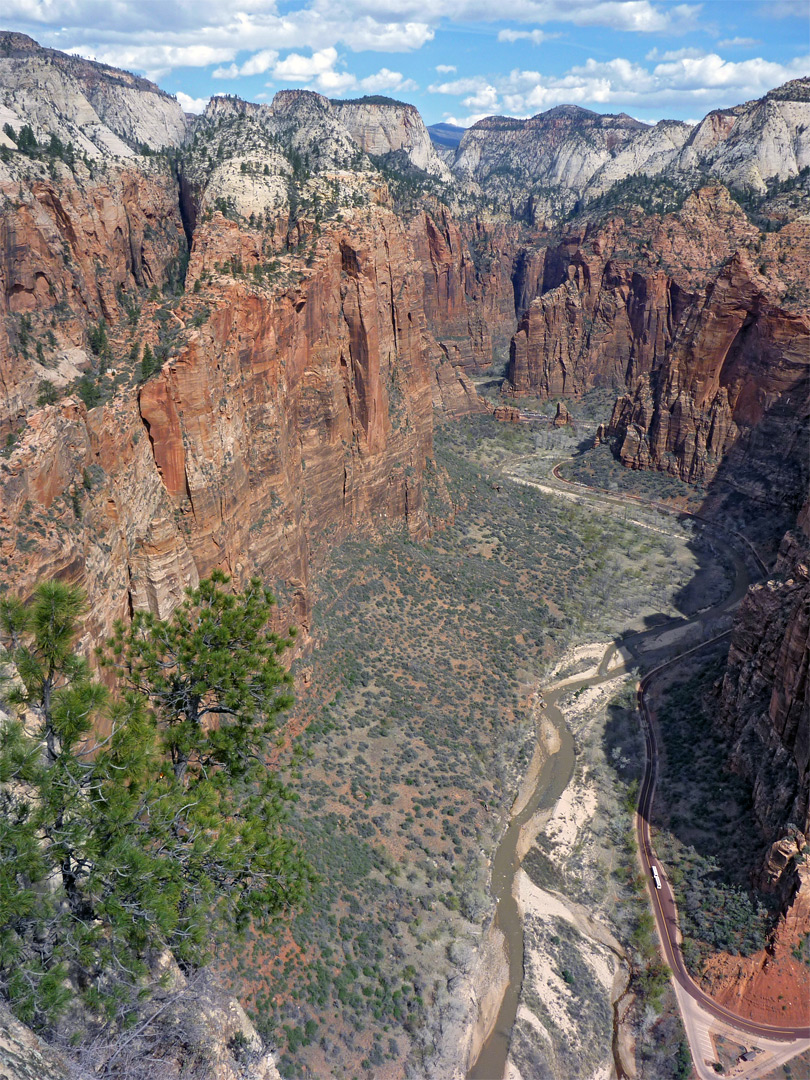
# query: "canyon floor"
419,717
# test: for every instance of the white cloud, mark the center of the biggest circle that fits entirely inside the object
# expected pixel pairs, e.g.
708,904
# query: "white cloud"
641,16
191,104
675,54
446,69
160,37
468,85
298,68
320,70
255,65
537,37
484,99
704,81
465,121
156,60
738,42
784,9
336,82
387,80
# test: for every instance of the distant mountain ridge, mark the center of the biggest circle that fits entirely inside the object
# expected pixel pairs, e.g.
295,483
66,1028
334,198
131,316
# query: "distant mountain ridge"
541,167
101,110
446,135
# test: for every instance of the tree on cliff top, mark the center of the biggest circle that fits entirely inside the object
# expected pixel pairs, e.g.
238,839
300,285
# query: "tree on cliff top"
166,830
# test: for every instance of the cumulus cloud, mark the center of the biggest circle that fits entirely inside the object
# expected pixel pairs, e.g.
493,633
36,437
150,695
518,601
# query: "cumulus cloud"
155,60
642,16
486,99
675,54
387,80
191,104
470,85
446,69
336,82
319,70
298,68
255,65
704,80
465,121
159,37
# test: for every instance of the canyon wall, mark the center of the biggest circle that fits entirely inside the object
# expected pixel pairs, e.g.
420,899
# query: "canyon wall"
765,704
616,291
71,246
732,391
288,417
478,276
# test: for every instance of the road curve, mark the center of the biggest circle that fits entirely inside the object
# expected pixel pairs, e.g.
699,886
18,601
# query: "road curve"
666,509
662,899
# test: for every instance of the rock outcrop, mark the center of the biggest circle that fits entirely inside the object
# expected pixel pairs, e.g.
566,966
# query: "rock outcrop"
290,415
765,708
755,142
477,277
732,388
615,294
25,1057
384,127
75,249
101,111
557,151
557,161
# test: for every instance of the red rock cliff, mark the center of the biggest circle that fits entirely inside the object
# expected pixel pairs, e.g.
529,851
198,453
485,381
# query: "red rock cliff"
69,245
617,292
291,416
737,367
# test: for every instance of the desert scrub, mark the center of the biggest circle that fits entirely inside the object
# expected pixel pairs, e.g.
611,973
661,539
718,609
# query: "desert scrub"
418,725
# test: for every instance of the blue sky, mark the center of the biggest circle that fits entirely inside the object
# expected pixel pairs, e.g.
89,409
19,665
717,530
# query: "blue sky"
456,60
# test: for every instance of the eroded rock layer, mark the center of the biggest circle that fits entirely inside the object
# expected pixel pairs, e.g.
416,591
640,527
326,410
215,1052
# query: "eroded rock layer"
288,416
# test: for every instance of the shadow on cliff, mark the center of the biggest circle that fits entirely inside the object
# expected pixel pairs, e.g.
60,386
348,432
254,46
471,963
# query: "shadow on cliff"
711,835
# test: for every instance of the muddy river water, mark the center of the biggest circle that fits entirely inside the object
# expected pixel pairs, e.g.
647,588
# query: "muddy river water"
554,777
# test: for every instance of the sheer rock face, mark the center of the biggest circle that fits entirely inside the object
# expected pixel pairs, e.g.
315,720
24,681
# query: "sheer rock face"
476,277
562,148
290,417
104,112
616,293
756,141
765,714
766,701
733,387
68,248
383,128
547,163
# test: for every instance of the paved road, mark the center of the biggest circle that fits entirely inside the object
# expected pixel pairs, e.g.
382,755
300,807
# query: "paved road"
663,900
666,509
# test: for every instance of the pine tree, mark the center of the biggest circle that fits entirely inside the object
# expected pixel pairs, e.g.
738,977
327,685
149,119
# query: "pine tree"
145,817
213,681
148,362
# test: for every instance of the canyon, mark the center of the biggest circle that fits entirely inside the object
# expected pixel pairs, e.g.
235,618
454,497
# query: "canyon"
321,289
